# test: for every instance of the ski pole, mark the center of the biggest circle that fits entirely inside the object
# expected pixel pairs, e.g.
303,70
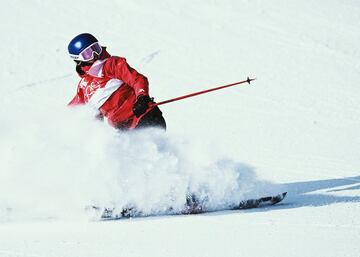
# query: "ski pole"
152,105
248,80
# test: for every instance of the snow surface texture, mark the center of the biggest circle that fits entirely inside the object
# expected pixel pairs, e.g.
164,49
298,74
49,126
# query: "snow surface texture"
297,125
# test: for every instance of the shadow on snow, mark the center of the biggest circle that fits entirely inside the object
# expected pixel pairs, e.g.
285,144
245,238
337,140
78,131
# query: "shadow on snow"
304,194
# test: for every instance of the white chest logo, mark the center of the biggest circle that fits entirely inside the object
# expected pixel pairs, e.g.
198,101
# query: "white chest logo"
89,88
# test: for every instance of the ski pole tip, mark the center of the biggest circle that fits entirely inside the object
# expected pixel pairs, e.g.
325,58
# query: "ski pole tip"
249,80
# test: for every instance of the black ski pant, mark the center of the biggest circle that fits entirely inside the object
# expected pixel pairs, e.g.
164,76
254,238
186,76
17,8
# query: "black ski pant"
153,118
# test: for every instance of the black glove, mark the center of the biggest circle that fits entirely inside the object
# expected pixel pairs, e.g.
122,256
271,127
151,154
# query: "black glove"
141,105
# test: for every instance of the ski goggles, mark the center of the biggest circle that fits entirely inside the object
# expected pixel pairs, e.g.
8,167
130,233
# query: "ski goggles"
88,53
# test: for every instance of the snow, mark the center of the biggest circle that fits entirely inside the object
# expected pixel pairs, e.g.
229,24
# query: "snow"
295,128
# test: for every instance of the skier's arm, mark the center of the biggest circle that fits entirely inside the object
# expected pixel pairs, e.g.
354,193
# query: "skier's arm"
78,98
117,67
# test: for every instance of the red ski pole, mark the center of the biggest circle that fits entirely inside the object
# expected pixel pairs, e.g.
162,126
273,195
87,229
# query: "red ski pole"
136,120
248,80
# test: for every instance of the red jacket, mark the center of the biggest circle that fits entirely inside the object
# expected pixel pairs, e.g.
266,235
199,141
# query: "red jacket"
111,86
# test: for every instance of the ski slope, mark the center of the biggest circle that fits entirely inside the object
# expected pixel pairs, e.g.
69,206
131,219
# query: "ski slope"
295,128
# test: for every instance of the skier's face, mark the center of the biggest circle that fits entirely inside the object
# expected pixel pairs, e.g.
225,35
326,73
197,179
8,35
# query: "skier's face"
87,63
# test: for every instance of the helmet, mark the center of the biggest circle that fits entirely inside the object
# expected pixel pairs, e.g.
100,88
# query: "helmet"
83,46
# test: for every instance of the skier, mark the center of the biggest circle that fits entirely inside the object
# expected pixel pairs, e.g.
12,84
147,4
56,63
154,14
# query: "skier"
115,90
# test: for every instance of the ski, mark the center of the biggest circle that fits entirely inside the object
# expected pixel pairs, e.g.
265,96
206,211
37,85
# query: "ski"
193,206
261,202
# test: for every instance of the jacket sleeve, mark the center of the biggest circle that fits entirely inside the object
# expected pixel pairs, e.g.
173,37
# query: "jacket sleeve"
78,98
117,67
